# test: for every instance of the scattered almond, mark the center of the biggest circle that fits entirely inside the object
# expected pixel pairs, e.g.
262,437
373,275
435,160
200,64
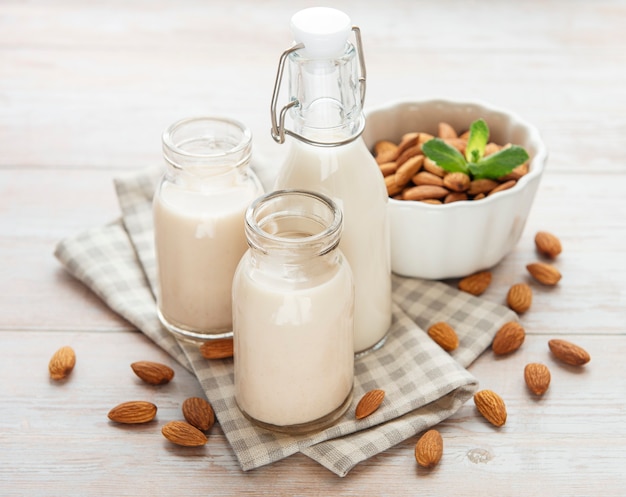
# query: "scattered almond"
198,413
182,433
537,377
568,352
491,406
221,348
62,363
509,338
520,297
369,403
444,335
429,449
133,412
476,283
545,274
153,373
548,244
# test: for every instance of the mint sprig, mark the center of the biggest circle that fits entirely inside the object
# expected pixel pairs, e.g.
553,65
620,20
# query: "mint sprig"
474,163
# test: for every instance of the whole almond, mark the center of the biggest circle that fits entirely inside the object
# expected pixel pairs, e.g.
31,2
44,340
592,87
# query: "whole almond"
509,338
369,403
199,413
408,169
457,182
444,335
545,274
491,406
444,131
407,141
393,188
385,151
387,168
383,146
491,148
426,178
424,192
182,433
548,244
62,363
429,449
568,352
432,167
502,186
454,197
476,283
482,185
153,373
133,412
409,153
221,348
537,377
520,297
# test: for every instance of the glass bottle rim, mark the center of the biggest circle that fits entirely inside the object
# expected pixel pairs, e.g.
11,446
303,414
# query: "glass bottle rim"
325,240
243,145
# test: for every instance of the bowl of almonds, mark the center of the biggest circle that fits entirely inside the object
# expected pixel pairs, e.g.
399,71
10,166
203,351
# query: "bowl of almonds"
461,179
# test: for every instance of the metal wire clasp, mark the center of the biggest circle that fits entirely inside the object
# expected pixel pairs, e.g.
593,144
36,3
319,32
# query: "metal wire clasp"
278,120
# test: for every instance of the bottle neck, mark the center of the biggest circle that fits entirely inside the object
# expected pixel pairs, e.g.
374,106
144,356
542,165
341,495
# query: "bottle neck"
207,149
328,107
293,226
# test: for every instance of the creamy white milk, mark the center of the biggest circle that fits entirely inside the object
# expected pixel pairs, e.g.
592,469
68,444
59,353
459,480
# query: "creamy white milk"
346,174
200,239
293,346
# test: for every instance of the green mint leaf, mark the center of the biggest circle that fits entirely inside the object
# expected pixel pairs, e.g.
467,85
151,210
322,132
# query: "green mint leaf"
445,156
499,164
477,141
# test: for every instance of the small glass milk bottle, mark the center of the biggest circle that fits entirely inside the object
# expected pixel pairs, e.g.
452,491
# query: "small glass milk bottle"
328,155
199,210
293,303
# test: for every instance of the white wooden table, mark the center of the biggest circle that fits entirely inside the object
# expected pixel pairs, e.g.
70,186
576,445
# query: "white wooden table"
86,89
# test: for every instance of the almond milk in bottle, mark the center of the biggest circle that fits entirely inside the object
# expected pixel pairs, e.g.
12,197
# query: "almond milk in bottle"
327,154
199,210
293,304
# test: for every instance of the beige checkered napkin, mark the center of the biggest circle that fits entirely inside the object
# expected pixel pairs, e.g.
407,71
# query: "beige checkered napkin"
424,385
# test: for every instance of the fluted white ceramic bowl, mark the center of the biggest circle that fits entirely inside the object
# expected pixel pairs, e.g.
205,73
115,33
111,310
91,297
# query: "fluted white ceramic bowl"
457,239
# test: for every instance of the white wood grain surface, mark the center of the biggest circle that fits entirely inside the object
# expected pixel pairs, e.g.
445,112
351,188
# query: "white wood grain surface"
86,89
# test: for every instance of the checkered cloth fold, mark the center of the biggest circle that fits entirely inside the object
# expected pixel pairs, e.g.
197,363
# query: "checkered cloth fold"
423,384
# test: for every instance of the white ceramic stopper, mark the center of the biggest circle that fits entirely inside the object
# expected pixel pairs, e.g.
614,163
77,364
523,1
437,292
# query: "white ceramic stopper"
322,30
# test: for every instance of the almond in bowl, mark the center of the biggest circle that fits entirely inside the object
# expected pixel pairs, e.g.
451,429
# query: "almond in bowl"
445,226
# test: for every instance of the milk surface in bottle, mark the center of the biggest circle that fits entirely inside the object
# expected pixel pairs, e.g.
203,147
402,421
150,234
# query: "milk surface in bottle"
328,155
